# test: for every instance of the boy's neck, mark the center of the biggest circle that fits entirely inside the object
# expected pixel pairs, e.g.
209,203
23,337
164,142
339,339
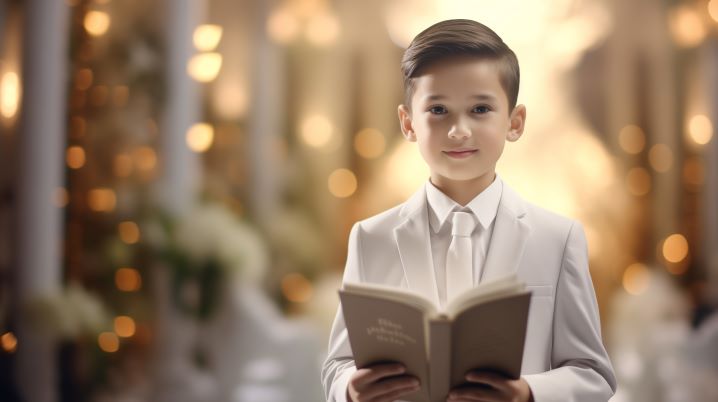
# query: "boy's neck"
462,191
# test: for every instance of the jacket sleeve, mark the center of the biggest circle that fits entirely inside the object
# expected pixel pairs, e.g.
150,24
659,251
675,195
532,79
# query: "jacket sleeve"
339,364
581,370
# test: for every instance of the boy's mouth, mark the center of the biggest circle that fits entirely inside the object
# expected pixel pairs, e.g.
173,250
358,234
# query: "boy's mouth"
461,153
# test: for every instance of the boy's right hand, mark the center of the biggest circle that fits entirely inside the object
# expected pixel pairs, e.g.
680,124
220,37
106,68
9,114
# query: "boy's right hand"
380,383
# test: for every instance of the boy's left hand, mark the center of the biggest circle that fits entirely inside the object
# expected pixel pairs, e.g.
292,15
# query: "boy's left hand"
490,387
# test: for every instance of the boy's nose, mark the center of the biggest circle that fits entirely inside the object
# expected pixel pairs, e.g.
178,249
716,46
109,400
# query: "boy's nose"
459,131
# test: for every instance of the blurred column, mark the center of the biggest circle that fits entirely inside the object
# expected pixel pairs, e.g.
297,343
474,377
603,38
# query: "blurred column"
711,178
180,166
40,167
268,117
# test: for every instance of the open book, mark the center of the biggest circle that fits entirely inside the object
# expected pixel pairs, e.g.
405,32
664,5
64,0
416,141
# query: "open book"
483,328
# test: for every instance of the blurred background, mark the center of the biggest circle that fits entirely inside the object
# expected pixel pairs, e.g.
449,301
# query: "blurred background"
179,177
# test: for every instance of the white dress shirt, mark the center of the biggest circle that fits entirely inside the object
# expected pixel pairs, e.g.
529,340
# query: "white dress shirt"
483,207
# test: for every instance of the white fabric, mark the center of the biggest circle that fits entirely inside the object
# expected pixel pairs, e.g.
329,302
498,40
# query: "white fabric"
440,206
564,357
459,260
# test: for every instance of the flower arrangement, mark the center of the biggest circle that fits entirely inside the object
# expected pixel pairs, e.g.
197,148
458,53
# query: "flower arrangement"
203,248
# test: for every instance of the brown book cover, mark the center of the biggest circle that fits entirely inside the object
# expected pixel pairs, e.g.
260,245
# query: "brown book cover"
484,328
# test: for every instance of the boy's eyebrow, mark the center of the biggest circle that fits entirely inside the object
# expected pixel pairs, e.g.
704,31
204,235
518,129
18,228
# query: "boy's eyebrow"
430,98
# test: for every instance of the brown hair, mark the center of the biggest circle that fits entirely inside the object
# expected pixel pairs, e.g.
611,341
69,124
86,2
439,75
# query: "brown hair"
459,37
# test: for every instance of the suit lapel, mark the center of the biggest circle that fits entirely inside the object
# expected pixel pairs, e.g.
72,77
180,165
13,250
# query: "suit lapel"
414,244
509,237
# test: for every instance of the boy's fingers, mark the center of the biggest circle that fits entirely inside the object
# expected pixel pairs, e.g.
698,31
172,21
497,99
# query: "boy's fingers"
493,380
389,390
371,374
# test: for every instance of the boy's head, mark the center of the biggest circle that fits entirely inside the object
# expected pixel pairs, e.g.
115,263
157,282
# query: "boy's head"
461,83
451,38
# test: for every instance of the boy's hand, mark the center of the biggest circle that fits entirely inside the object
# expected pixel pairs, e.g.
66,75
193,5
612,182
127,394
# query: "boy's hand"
380,383
490,387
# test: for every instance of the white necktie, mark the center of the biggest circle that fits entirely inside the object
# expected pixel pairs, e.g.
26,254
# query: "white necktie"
459,260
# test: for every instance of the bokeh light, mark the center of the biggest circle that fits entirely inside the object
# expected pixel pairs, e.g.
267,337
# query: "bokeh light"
9,94
694,171
128,279
713,9
8,341
75,157
342,183
323,29
660,158
124,326
97,23
316,130
200,137
638,181
632,139
108,342
700,129
129,232
102,199
369,143
283,25
206,37
122,165
204,67
686,26
296,288
675,248
636,279
83,79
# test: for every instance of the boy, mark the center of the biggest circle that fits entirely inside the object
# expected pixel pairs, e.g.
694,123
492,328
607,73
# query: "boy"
461,85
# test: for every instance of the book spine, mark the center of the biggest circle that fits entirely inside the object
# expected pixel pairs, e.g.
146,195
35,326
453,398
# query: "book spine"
439,359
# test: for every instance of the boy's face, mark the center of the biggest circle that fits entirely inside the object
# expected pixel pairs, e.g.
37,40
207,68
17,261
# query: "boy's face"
460,119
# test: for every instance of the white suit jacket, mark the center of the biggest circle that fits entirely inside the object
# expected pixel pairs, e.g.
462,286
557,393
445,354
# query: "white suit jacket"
564,358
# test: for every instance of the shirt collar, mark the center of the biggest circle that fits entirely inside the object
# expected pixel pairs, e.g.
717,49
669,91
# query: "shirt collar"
483,206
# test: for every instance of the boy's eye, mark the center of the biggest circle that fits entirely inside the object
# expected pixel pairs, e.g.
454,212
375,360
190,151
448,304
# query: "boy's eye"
437,110
481,109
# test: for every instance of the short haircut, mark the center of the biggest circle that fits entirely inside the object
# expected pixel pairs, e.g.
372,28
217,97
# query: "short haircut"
460,37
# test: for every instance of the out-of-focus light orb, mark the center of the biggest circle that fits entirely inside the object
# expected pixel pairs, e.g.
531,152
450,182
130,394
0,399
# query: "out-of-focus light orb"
62,198
129,232
369,143
700,129
342,183
230,102
593,161
316,131
713,9
632,139
675,248
660,158
122,165
9,94
128,279
204,67
120,95
296,288
694,171
686,26
124,326
638,181
200,137
108,342
145,158
97,22
636,279
282,25
102,199
83,79
75,157
323,29
8,341
206,37
406,170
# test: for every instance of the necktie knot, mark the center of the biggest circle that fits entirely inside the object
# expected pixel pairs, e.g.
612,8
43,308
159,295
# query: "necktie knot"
462,224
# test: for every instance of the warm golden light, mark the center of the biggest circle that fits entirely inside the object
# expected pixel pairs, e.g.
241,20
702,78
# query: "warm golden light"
369,143
660,158
342,183
675,248
145,158
713,9
686,26
316,131
322,30
9,94
108,342
694,171
122,165
120,95
700,129
296,288
636,279
204,67
75,157
206,37
282,26
124,326
129,232
102,199
61,197
638,181
200,137
128,279
83,79
632,139
97,23
8,341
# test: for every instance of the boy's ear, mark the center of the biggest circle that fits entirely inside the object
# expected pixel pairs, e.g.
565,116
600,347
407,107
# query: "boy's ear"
518,121
405,123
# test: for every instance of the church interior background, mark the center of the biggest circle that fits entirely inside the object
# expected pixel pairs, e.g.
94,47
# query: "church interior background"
179,178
